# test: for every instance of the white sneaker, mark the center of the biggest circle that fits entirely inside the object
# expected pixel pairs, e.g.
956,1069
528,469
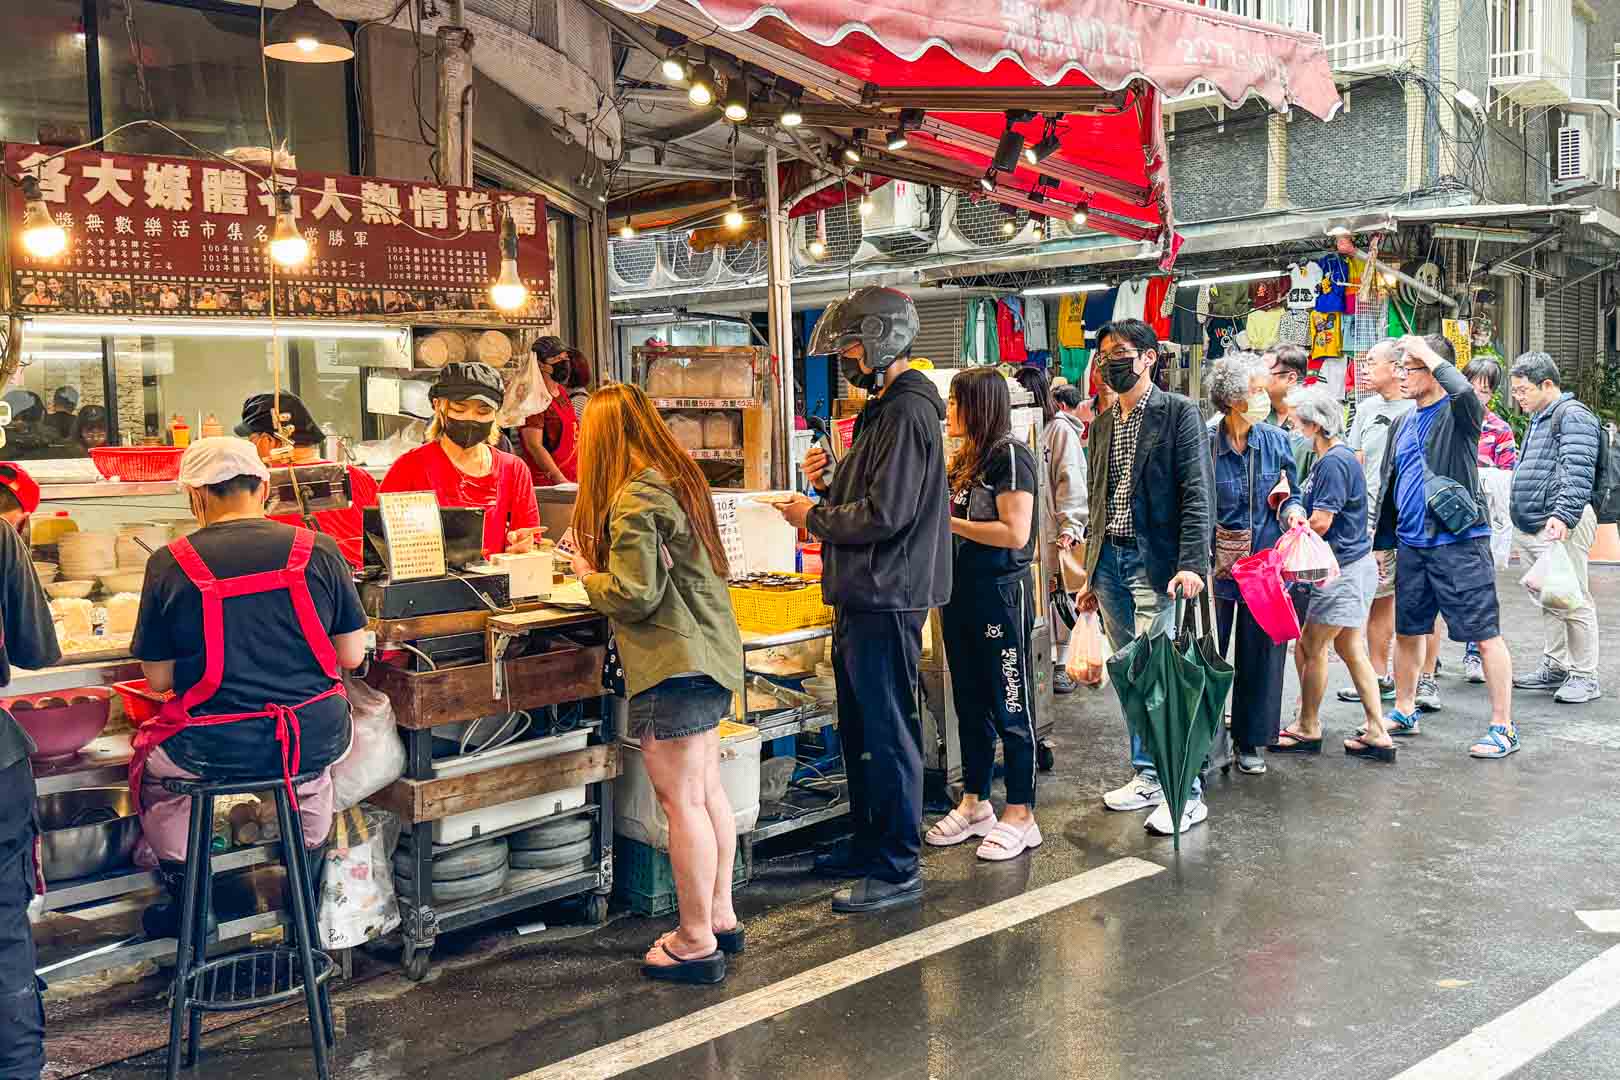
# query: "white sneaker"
1158,822
1141,793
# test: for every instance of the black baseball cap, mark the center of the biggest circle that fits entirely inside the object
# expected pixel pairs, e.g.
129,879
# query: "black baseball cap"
468,380
549,346
258,418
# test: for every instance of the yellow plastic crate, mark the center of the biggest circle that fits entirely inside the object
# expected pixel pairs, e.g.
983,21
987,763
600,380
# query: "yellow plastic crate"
766,611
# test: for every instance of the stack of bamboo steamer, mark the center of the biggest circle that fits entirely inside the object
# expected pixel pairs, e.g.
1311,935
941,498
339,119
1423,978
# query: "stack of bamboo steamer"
85,556
441,347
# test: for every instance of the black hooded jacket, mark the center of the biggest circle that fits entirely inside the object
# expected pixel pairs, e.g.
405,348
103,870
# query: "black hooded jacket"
885,521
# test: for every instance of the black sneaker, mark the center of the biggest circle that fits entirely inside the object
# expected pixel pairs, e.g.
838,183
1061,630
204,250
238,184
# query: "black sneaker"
873,894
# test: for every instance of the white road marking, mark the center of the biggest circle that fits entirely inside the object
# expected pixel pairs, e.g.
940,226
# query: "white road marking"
1523,1034
642,1049
1602,922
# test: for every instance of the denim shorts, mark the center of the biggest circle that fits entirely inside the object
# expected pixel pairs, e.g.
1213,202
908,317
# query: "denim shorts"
1455,580
679,707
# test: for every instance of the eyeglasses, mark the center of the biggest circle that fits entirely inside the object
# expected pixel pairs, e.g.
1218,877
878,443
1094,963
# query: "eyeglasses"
1413,369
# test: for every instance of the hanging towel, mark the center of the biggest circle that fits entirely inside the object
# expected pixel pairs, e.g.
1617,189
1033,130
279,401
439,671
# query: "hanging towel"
1009,333
1071,325
1035,325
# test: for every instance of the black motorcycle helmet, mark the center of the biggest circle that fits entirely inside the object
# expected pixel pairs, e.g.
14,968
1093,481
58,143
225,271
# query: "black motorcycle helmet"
883,320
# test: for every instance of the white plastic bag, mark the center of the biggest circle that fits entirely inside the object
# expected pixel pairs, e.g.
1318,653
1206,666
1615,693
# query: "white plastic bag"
358,903
376,757
1553,582
1084,660
526,394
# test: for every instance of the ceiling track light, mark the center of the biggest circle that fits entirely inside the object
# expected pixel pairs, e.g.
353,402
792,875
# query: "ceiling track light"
988,180
791,116
910,120
675,68
735,105
305,34
1081,212
897,140
1048,145
852,149
701,90
1011,144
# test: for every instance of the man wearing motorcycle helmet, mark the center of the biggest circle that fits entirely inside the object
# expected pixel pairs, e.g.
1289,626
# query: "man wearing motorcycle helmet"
883,520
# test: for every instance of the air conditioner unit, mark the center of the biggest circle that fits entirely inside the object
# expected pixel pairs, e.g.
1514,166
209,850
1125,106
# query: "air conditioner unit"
899,209
1574,155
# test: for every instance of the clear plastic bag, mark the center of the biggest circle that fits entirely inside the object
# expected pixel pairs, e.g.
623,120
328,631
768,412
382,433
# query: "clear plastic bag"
358,902
526,394
1553,581
1306,557
376,757
1084,661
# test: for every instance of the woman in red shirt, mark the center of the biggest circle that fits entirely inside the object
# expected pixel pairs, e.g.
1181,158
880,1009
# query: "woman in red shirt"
460,466
551,438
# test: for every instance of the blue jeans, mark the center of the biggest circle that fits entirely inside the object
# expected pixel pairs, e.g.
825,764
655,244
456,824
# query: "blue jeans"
1128,604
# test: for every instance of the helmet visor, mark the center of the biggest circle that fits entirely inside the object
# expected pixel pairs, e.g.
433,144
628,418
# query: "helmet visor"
835,330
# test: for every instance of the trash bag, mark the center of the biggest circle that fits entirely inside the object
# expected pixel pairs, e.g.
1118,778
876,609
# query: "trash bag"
358,902
1553,581
376,756
1084,660
1306,557
1259,580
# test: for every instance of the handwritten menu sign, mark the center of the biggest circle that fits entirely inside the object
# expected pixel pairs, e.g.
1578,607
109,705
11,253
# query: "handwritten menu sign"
183,236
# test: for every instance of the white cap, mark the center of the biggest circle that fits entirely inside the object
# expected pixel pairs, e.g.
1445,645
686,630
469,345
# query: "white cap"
220,458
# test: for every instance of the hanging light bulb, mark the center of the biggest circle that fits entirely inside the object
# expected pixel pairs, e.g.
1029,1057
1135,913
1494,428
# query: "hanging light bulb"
701,92
852,153
508,293
287,245
734,217
866,207
627,231
304,34
736,103
42,237
674,67
1008,228
818,248
1080,215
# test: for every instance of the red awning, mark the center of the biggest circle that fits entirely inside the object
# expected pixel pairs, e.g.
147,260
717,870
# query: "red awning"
1111,160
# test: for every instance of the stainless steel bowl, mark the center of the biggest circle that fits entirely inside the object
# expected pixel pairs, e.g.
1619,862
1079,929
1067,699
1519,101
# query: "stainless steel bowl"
87,832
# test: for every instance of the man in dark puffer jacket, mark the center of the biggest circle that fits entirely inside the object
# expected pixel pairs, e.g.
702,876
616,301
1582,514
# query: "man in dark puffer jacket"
1552,502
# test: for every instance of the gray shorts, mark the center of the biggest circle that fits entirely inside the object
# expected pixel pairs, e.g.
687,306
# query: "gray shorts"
679,707
1346,600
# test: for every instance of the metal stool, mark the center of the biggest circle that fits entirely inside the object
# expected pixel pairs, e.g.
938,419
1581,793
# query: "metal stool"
260,977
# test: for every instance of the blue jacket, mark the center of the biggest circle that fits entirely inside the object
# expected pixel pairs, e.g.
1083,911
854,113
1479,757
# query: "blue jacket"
1557,466
1270,450
1452,450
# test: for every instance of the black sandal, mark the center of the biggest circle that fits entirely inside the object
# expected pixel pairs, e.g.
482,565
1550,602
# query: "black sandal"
731,942
1370,751
1301,744
701,971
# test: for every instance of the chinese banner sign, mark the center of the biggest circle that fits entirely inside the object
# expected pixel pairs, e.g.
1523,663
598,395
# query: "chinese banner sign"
181,236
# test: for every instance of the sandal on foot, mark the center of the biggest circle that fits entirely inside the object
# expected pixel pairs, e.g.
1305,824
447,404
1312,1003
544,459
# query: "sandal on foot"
1369,750
733,941
1008,842
1498,742
954,828
700,970
1299,744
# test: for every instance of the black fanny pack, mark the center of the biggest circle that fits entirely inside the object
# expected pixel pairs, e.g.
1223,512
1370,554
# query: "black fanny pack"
1452,508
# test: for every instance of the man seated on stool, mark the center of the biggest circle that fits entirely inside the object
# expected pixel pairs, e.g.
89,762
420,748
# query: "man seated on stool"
255,674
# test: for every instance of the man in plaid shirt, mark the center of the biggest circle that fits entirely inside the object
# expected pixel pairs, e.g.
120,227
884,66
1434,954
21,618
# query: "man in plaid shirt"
1498,454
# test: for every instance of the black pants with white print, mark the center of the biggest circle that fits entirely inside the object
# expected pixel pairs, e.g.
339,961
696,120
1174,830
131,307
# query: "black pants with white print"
987,628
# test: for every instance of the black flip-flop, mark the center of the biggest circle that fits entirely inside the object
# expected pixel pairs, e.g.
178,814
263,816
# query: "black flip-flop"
702,970
1371,751
1301,745
733,941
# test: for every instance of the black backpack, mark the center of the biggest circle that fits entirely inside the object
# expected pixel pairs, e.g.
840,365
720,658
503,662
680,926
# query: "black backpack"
1606,477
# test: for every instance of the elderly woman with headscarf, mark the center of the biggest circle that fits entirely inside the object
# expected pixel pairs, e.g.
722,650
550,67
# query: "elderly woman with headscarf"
1336,509
1256,497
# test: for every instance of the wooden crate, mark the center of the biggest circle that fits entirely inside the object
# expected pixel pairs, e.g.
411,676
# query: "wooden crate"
424,699
419,801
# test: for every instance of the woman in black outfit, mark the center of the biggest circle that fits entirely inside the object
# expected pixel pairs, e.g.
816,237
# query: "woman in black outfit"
991,614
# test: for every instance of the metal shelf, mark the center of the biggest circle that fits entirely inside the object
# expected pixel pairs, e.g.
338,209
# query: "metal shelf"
802,821
119,954
72,676
69,894
796,722
753,640
523,889
496,834
106,489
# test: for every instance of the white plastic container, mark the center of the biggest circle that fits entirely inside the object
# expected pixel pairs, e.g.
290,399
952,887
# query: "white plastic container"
636,813
464,826
530,573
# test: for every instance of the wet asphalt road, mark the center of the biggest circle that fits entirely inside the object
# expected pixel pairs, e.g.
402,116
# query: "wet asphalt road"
1333,919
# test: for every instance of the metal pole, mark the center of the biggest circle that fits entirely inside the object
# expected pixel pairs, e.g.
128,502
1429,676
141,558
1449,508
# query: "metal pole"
1422,289
778,287
454,67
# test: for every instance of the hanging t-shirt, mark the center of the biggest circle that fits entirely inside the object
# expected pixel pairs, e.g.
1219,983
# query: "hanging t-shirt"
1229,301
1272,292
1302,286
1071,324
1157,315
1401,317
1335,280
1099,310
1327,336
1222,337
1263,325
1010,467
1352,291
1184,323
1131,301
1294,328
1009,333
1035,325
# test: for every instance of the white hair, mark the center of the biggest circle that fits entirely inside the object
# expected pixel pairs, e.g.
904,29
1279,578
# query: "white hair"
1229,379
1318,405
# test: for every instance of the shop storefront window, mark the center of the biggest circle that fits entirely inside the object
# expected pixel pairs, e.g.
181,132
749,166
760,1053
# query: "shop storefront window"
42,82
196,67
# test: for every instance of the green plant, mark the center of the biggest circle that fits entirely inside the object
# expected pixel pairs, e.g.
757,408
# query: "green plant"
1518,421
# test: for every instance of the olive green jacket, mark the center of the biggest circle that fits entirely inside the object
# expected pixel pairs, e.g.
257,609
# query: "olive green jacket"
671,616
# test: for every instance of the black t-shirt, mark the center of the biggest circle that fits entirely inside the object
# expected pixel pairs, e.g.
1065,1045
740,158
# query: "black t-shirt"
26,636
1336,484
1011,467
266,657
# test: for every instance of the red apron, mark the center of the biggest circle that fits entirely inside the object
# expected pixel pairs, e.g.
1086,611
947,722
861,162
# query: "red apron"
176,713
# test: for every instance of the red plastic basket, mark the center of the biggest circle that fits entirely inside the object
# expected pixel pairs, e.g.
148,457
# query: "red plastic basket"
140,704
137,464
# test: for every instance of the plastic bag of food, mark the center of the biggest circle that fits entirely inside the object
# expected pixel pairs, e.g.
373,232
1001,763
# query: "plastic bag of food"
526,394
1553,581
1306,557
358,903
376,757
1084,661
722,431
687,429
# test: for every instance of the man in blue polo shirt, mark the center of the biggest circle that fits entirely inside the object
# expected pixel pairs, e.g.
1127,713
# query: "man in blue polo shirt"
1443,567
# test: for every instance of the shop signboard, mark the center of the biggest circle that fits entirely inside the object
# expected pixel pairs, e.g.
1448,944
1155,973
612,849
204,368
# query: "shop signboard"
190,236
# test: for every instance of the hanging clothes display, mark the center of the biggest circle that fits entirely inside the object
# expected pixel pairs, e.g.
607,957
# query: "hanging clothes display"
1223,334
1185,326
1294,328
1131,300
1099,311
1157,308
1010,331
1071,324
1263,325
1335,281
1230,301
1327,337
1073,363
1302,286
1035,325
979,333
1272,292
1401,317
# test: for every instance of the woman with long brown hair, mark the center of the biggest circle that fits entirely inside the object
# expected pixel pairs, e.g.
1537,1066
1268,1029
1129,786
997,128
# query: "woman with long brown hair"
990,617
651,560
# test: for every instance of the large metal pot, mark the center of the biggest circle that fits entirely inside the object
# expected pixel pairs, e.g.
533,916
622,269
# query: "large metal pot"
87,832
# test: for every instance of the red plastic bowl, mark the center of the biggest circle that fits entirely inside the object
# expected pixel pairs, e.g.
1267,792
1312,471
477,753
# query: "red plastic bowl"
61,731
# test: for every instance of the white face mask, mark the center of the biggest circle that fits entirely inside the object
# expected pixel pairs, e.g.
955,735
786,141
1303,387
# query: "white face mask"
1258,408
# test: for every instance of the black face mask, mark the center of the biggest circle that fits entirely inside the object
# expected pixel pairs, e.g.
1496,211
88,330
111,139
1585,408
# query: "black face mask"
1121,375
468,433
857,376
